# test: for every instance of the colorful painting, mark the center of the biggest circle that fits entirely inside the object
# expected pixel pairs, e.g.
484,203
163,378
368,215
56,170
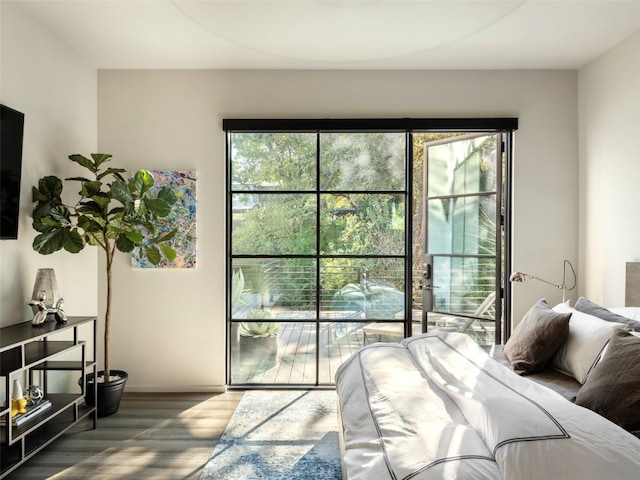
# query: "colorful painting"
182,217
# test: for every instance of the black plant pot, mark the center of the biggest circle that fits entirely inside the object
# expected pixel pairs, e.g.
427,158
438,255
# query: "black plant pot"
109,393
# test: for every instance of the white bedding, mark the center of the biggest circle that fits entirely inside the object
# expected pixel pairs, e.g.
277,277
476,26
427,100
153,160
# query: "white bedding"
437,406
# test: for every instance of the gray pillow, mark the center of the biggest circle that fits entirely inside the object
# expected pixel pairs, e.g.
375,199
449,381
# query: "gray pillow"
537,338
587,306
613,388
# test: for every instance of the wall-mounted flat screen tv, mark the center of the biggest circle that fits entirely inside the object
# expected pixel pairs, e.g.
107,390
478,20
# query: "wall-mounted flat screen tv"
11,133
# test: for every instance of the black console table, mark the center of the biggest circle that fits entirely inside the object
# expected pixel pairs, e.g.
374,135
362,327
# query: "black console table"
39,355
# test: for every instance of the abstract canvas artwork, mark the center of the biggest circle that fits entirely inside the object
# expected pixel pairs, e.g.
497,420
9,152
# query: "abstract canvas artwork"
182,217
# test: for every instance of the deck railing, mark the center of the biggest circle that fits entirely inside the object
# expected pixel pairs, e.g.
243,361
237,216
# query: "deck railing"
354,290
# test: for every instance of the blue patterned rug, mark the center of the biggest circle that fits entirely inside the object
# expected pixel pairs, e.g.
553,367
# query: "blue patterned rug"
274,435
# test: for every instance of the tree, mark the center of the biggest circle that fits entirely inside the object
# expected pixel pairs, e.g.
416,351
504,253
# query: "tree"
112,216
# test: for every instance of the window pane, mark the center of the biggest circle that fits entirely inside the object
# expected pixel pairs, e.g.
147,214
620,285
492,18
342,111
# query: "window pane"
362,161
462,225
463,284
465,166
273,288
273,161
362,288
288,356
274,224
338,340
362,224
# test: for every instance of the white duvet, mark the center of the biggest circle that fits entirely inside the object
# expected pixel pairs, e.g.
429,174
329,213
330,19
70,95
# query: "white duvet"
438,407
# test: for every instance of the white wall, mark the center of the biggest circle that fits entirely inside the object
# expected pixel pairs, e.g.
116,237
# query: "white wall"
57,92
609,208
169,324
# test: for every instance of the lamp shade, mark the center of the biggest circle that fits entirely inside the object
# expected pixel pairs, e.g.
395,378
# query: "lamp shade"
519,277
45,282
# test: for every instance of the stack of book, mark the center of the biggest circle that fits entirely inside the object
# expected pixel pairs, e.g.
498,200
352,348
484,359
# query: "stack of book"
31,413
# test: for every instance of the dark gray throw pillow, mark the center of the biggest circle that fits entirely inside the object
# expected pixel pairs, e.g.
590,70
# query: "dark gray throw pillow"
537,338
613,388
587,306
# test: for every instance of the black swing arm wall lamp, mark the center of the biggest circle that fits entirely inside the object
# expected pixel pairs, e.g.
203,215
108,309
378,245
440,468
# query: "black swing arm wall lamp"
523,277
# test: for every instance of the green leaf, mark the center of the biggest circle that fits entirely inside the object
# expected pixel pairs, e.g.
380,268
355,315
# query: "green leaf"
100,158
121,193
124,244
84,222
112,171
45,224
115,228
91,208
37,196
167,195
159,208
79,179
141,183
102,201
153,255
166,237
95,238
89,189
84,161
51,222
48,242
60,214
139,207
169,253
135,237
41,210
50,187
116,211
40,225
72,241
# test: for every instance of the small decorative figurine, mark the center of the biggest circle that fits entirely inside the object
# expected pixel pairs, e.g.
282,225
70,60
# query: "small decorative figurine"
18,402
34,395
41,314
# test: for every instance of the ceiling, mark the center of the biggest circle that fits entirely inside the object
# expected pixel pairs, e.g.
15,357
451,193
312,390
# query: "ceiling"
338,34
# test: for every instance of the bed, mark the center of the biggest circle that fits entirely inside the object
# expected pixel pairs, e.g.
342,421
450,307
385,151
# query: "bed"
439,406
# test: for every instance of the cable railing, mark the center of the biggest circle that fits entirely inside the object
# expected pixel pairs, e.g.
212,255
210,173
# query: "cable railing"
346,291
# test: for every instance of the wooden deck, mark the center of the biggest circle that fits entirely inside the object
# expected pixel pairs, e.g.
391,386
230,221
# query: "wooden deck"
294,362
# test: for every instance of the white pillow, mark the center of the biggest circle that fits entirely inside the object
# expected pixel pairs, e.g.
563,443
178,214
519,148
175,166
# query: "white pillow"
588,336
629,312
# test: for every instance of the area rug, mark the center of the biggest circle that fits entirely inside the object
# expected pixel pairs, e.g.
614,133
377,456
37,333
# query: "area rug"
279,435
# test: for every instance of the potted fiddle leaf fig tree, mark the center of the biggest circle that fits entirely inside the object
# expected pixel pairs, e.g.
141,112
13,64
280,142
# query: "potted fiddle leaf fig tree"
110,213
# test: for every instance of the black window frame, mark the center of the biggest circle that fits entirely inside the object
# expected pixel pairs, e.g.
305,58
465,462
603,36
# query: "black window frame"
506,125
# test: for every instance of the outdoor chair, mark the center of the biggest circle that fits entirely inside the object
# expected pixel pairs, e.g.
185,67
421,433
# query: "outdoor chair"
448,323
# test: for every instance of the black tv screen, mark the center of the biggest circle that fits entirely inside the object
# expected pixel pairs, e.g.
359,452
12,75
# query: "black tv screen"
11,132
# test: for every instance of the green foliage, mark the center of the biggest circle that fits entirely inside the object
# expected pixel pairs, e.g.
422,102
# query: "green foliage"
360,209
280,160
259,329
362,161
110,213
120,211
282,224
237,291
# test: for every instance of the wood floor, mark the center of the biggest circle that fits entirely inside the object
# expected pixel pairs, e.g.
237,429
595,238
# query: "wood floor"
152,436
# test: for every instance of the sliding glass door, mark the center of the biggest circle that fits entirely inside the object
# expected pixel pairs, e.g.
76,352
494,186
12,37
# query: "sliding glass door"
321,238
